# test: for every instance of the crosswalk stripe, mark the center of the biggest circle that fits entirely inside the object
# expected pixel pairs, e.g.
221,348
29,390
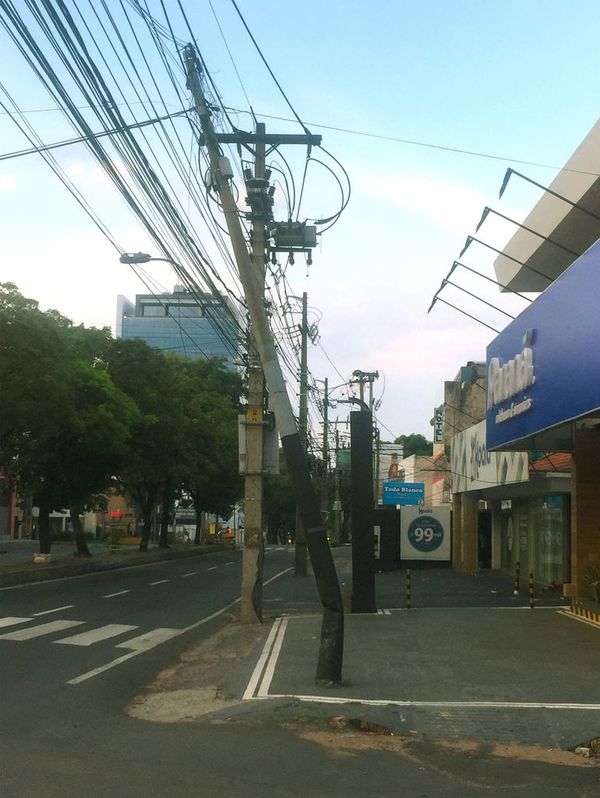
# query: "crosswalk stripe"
38,631
149,639
9,621
96,635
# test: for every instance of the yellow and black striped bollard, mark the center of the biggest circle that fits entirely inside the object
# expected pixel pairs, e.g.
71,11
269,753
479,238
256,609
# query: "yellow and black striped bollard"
531,604
408,590
517,578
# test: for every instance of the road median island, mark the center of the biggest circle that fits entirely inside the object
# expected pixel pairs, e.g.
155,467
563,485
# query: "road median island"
25,571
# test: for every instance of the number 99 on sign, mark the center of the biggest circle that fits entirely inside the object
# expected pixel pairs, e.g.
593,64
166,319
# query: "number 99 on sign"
425,533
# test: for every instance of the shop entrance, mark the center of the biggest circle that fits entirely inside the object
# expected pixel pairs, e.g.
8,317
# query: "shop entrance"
484,538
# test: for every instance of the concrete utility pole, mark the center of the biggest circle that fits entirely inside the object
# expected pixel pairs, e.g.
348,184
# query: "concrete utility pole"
300,562
251,604
329,665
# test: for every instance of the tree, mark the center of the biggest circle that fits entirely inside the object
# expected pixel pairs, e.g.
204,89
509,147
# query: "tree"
415,444
211,473
158,387
64,427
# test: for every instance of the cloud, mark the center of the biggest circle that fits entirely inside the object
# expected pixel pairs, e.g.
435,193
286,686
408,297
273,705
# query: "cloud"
454,206
7,182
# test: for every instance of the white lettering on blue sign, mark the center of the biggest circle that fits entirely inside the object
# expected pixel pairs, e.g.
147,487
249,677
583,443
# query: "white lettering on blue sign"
504,381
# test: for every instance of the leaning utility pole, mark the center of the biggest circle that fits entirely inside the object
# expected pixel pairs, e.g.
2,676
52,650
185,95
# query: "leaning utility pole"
251,602
329,666
300,562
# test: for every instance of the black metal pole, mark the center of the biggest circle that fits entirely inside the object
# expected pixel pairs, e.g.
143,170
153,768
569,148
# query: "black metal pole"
361,475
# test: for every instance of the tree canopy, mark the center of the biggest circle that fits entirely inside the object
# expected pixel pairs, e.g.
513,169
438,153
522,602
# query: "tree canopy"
81,412
415,444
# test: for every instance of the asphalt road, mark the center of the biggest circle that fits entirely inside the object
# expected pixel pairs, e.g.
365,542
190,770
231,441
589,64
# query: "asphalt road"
65,732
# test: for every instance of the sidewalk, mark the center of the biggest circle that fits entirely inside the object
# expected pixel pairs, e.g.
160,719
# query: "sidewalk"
469,661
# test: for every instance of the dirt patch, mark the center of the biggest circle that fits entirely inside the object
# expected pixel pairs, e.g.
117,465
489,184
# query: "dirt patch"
196,684
347,736
536,753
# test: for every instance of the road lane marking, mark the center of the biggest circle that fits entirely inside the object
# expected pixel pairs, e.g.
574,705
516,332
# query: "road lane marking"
229,563
263,690
38,631
325,699
96,635
257,672
149,639
160,582
212,568
191,573
119,593
11,621
56,609
90,674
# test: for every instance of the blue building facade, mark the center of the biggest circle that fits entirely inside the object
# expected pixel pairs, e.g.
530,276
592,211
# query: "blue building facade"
182,323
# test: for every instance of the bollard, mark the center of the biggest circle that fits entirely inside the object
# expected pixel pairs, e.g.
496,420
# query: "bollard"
517,577
408,590
531,604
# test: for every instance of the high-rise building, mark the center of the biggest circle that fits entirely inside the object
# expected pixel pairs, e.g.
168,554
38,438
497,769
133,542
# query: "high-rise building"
186,323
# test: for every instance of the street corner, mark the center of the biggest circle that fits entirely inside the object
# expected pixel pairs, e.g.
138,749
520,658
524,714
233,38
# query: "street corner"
208,680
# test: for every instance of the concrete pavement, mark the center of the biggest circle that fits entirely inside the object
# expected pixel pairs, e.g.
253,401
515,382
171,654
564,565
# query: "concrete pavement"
470,662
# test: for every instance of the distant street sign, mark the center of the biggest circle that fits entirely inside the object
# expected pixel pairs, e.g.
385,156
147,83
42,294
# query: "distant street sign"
403,493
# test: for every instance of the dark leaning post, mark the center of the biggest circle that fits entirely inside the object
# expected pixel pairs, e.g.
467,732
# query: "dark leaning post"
361,475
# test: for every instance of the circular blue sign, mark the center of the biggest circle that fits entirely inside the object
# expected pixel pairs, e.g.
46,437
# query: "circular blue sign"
425,533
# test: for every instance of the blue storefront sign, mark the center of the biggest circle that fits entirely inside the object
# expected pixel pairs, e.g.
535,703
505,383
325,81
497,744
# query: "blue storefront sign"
403,493
543,370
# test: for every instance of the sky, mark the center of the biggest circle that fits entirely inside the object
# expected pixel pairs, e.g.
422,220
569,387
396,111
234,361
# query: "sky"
513,81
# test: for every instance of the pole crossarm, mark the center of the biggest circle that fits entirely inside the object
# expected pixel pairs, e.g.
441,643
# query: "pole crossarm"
274,139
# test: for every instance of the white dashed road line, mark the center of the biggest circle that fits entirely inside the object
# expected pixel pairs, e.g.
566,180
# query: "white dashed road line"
160,582
119,593
212,568
56,609
191,573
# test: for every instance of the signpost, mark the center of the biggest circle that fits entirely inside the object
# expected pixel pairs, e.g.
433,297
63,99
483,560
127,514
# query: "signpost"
425,533
403,493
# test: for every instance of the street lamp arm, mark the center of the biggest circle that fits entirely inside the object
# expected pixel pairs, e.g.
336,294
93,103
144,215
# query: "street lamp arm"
142,257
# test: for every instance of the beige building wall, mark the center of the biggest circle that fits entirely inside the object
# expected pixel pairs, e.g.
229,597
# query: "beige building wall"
585,509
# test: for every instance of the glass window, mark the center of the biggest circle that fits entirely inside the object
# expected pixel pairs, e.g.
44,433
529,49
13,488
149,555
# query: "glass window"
181,311
153,310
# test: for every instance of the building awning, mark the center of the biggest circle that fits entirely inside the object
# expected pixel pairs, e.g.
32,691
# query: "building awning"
568,231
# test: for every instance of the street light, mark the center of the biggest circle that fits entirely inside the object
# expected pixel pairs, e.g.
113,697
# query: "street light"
131,258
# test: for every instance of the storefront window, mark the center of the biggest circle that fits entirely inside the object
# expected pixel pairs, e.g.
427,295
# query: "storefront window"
550,528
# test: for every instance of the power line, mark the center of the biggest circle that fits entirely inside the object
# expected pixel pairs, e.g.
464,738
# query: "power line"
428,145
